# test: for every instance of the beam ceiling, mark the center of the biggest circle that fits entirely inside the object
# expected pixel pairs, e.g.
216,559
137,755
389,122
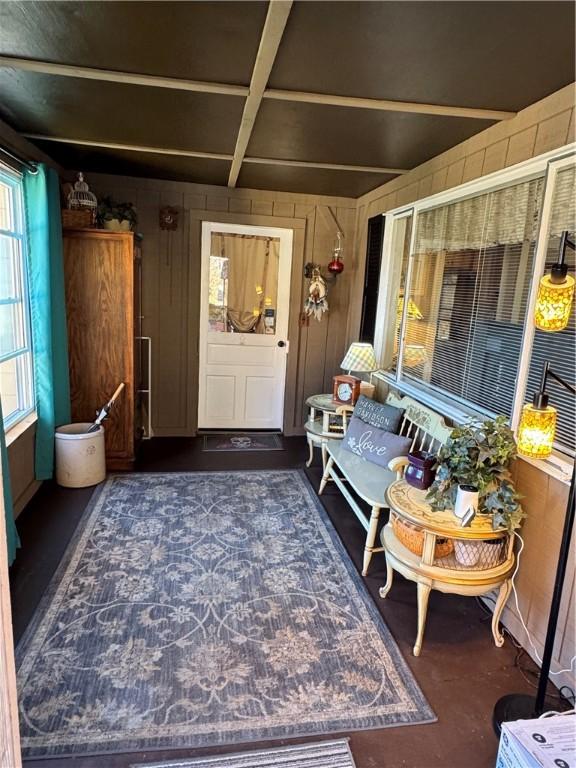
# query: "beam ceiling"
303,92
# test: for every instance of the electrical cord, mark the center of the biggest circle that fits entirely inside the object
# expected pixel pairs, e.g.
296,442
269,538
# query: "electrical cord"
553,713
528,635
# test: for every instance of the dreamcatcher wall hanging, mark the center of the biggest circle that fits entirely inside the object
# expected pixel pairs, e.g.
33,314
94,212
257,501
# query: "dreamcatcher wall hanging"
316,303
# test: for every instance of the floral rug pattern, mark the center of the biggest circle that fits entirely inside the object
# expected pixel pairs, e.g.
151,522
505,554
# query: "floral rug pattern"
196,609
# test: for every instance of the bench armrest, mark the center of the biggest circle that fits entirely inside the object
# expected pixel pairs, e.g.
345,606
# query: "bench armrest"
398,465
344,410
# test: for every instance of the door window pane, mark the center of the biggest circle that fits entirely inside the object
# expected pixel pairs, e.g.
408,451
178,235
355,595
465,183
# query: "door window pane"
243,284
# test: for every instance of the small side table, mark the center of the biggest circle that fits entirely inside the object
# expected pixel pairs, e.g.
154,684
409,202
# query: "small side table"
322,425
463,561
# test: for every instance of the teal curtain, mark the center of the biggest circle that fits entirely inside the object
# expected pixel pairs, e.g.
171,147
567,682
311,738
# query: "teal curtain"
47,311
11,532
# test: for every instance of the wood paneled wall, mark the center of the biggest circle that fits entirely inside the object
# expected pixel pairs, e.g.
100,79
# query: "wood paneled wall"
539,128
171,280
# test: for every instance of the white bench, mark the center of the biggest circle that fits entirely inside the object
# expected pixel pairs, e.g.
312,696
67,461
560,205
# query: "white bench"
428,431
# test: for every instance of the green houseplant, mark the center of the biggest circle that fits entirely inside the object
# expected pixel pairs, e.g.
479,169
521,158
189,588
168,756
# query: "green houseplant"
117,216
478,454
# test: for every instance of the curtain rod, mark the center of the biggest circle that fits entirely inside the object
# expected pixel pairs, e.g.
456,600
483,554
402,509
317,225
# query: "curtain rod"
29,165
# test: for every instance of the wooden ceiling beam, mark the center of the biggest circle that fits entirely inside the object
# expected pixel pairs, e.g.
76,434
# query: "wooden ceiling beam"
327,166
225,89
276,18
385,105
213,155
128,78
130,147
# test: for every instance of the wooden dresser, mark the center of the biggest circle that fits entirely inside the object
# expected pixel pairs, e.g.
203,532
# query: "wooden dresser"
101,269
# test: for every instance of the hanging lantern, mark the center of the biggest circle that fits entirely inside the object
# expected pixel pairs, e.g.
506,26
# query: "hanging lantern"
336,266
555,294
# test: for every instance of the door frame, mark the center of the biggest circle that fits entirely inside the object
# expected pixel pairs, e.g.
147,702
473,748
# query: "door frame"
285,237
292,421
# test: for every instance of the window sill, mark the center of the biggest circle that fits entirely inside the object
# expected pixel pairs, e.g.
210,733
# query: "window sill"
558,466
18,429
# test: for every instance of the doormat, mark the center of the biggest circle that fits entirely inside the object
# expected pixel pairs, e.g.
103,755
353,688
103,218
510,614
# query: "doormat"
321,754
199,609
242,441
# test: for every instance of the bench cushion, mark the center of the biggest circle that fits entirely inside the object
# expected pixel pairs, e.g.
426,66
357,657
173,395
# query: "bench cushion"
369,480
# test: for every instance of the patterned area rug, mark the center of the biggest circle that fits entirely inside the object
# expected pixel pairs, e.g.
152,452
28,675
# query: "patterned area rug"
242,441
322,754
198,609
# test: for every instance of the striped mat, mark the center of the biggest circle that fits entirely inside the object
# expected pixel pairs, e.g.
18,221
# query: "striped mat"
321,754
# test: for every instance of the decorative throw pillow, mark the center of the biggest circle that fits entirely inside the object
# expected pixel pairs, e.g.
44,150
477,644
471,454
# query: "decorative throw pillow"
380,415
374,444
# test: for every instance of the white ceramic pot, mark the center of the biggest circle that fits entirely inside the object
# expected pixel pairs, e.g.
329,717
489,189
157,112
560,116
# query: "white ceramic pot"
466,552
115,225
466,500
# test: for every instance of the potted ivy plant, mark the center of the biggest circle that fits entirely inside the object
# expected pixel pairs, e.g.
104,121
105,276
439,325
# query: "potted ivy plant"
478,455
120,217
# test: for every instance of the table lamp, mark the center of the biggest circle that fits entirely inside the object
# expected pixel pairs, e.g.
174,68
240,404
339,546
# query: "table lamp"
535,440
360,358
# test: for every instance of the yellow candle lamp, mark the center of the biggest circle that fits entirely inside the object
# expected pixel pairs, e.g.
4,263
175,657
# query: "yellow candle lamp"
536,431
554,303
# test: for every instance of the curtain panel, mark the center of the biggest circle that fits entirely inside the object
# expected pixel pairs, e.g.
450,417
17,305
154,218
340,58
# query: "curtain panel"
47,312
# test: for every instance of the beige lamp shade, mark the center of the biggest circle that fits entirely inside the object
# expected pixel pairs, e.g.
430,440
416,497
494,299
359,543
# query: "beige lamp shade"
536,431
414,354
360,358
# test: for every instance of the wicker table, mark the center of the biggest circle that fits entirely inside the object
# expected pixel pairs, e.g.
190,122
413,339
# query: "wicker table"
432,549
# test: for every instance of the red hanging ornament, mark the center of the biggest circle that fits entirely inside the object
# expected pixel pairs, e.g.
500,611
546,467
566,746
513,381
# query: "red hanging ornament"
336,266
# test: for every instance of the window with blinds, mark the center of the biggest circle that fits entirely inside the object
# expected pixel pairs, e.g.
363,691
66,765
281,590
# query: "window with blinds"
559,349
465,305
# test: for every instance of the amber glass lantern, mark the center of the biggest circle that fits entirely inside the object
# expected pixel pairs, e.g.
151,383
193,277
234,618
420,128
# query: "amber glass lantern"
555,294
536,431
554,303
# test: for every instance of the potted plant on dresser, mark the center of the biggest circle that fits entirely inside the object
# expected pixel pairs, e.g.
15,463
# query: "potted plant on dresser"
118,217
473,471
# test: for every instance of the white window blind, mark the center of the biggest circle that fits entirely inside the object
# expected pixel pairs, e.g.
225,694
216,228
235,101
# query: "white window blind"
15,355
467,295
559,349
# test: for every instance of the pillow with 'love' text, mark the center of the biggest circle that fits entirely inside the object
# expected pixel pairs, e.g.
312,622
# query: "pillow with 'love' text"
374,444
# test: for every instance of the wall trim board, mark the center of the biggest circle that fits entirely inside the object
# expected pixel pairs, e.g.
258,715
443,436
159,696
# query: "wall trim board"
298,227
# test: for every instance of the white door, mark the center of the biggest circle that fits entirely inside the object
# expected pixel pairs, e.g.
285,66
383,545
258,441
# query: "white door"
245,296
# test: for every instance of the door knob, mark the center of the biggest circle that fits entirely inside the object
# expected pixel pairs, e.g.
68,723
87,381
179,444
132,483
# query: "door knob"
281,343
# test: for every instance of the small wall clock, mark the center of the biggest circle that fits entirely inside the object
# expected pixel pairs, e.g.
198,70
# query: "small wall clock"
346,390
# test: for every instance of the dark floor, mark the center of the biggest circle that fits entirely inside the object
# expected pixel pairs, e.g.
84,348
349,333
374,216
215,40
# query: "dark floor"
460,670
